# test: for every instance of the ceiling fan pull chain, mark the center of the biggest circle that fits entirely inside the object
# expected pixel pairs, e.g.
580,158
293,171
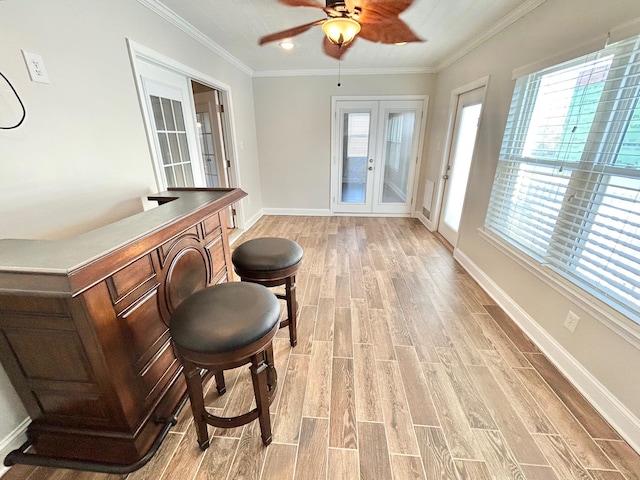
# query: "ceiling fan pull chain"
339,61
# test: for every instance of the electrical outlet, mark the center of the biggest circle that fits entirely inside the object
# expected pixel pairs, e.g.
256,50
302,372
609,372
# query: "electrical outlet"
35,65
571,322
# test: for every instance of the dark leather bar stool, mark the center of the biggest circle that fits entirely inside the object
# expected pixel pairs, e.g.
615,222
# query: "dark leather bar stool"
223,327
271,262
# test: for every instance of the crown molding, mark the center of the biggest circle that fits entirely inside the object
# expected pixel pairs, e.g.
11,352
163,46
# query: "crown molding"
496,28
348,72
176,20
173,18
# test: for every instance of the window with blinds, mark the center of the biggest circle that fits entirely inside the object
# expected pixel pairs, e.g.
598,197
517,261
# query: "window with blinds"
567,186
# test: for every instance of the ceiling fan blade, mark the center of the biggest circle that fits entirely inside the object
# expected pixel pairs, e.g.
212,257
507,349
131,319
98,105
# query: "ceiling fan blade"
373,11
393,30
333,50
302,3
290,32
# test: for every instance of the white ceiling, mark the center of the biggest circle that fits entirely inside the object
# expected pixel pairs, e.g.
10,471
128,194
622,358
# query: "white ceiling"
451,28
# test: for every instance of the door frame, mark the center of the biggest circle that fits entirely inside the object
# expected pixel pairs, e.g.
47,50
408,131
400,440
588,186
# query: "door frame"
140,52
335,143
453,106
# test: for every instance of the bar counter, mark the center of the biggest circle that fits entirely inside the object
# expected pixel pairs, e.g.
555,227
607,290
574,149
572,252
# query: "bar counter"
84,328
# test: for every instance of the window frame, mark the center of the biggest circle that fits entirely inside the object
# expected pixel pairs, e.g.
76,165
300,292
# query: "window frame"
623,321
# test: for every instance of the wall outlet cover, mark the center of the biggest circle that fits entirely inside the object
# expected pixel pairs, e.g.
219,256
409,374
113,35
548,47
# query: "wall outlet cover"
35,65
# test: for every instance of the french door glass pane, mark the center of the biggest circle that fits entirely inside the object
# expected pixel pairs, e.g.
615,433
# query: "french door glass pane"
172,140
398,145
355,154
208,150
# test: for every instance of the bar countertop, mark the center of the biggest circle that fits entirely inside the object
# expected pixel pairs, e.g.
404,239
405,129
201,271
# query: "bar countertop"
67,256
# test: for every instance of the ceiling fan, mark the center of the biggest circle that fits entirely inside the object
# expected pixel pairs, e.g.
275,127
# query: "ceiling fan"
373,20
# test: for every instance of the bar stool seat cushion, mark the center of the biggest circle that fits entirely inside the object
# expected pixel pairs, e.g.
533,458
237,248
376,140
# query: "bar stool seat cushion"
267,254
224,317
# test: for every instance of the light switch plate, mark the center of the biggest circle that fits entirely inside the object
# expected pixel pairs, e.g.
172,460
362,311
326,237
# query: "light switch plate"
35,65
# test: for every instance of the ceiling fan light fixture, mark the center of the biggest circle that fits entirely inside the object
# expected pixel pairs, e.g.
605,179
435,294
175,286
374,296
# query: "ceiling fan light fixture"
341,30
286,45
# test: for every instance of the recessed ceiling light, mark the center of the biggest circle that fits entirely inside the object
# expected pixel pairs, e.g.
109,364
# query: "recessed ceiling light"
401,43
287,45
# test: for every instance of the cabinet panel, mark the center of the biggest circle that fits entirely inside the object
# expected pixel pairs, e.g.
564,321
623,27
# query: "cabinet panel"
49,354
124,281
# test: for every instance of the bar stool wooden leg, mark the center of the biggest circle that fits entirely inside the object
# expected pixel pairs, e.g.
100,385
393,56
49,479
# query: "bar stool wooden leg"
259,371
292,309
272,374
196,396
220,384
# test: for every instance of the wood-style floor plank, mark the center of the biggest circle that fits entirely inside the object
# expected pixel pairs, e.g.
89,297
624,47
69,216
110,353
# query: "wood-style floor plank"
623,457
435,454
473,470
590,419
318,392
342,425
287,425
562,460
373,452
343,464
606,475
537,472
368,403
217,459
342,336
531,413
395,409
311,463
157,465
423,412
584,447
249,458
466,390
514,431
280,462
497,455
405,467
360,328
453,419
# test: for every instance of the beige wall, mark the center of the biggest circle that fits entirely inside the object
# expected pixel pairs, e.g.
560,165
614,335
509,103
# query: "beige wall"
81,157
555,26
293,116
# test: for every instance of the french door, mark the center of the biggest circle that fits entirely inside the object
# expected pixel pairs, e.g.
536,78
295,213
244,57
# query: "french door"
168,105
456,175
375,150
212,142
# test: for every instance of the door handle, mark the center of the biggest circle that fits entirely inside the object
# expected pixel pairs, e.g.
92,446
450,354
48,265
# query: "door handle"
370,168
446,177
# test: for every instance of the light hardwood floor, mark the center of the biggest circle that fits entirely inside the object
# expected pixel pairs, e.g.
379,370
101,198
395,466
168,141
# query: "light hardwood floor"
404,369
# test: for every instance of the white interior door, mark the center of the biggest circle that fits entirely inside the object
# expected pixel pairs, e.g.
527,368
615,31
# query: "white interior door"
170,116
375,151
456,176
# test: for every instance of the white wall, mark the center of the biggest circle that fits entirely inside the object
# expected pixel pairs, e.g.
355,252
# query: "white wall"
293,116
81,157
555,26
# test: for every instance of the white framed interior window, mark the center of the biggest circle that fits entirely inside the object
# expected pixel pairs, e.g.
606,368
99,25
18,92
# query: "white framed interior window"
567,187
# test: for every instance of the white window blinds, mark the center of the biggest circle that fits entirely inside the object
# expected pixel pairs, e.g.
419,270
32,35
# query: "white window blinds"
567,185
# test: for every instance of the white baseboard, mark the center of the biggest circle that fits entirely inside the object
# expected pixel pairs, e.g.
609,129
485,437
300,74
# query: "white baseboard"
425,221
615,412
300,212
251,222
16,438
